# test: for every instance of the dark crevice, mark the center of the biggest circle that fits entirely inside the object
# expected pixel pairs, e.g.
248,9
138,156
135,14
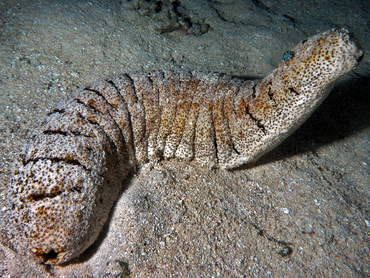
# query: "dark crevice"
128,114
158,7
92,122
258,122
285,250
220,16
237,92
56,110
49,269
87,106
234,149
42,196
132,85
68,161
176,5
260,5
57,160
261,127
114,85
270,94
194,92
143,106
64,133
225,119
213,124
174,17
76,189
176,85
119,93
50,256
293,91
100,95
150,80
69,132
76,133
214,137
110,115
86,119
253,95
157,93
55,132
291,19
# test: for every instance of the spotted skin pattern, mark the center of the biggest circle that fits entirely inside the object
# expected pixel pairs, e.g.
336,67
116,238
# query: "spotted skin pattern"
70,171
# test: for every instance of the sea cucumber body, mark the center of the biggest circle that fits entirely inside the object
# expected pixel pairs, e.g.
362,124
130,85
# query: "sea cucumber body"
71,168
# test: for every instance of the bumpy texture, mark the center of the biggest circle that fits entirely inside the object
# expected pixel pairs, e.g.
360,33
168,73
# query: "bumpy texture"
70,171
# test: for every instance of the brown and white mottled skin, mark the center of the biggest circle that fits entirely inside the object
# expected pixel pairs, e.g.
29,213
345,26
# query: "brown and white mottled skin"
71,168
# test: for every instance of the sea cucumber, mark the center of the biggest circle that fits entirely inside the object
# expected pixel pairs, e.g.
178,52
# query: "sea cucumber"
70,171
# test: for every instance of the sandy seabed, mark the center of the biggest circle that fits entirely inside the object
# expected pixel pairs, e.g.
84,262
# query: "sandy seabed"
301,211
